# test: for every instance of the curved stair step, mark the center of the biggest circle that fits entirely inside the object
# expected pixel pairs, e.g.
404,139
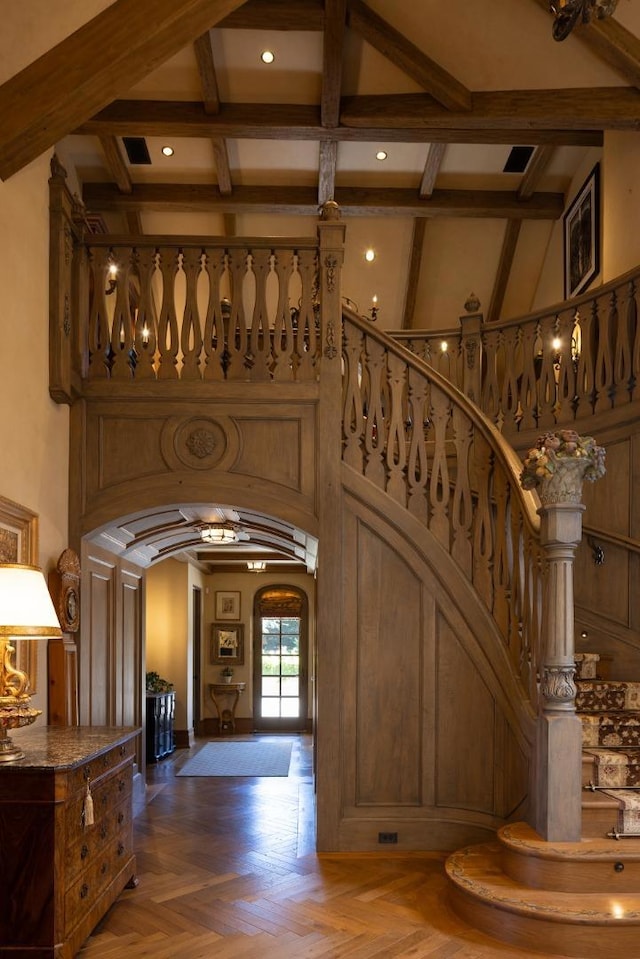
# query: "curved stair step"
595,924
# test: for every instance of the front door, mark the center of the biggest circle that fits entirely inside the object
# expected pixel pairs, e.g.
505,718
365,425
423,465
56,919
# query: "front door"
280,659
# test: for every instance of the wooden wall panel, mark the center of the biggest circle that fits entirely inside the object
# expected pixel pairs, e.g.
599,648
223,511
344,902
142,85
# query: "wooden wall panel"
466,721
96,640
130,644
271,449
593,584
389,676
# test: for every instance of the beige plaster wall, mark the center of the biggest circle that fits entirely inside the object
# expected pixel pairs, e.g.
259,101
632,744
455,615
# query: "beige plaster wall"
621,214
168,630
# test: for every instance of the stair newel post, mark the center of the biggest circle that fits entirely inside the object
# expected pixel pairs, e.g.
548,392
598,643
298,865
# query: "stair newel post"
331,235
559,740
471,329
557,467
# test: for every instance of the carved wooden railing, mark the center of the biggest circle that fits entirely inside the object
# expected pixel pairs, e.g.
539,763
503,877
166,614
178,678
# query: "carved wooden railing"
556,366
425,444
199,309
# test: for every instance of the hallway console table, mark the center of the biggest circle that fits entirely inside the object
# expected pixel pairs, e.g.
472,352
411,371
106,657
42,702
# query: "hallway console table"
225,698
67,836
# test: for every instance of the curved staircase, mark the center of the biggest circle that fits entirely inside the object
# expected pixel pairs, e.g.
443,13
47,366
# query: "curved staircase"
578,899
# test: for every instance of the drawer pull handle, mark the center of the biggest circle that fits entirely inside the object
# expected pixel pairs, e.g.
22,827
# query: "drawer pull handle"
121,785
123,750
103,868
105,761
84,852
103,832
120,849
120,818
87,772
105,799
84,891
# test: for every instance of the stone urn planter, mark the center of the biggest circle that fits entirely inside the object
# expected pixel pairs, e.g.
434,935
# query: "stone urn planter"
559,464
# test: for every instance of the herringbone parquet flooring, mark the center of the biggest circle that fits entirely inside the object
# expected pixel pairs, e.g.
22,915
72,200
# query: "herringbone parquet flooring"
227,870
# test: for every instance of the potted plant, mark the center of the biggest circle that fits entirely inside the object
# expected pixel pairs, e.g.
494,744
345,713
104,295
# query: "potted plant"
227,674
156,684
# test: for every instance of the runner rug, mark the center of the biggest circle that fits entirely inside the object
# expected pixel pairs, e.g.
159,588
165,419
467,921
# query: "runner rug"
240,759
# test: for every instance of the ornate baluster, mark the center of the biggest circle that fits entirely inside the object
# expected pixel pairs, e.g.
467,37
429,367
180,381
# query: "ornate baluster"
396,436
375,428
585,378
634,336
215,334
191,330
462,504
439,490
417,460
566,368
521,662
623,332
604,359
353,418
99,337
168,340
501,557
145,339
490,387
528,386
307,341
547,390
237,329
122,325
283,342
260,339
509,396
483,520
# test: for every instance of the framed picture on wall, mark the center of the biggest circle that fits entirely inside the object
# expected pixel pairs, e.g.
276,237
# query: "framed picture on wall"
582,236
19,544
227,644
228,604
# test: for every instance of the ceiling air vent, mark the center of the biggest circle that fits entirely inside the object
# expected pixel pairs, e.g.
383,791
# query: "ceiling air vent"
518,159
137,150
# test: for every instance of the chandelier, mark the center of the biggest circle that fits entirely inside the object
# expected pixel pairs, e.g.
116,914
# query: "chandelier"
568,12
219,534
256,565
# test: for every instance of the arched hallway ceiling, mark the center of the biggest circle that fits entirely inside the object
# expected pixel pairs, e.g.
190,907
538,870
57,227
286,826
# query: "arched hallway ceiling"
444,90
148,537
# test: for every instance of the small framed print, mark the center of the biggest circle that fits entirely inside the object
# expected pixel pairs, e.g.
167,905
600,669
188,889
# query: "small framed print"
582,236
227,644
19,544
228,605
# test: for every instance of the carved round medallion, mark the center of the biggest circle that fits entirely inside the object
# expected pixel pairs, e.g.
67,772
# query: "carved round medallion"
200,443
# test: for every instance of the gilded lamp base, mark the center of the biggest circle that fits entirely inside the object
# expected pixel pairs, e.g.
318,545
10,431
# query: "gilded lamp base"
14,712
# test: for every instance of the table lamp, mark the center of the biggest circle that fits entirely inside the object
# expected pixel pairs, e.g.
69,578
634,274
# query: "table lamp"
26,612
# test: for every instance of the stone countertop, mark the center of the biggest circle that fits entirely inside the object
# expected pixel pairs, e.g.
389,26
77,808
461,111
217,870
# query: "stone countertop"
60,747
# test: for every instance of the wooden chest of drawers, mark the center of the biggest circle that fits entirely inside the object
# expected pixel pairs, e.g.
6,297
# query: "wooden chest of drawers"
64,858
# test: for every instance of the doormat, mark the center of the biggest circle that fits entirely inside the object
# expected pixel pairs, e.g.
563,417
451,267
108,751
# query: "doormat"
240,759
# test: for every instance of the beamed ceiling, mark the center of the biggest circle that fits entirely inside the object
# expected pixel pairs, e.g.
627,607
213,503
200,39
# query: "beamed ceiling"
444,90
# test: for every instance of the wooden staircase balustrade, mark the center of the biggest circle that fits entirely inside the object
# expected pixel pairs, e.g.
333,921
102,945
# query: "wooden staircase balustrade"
554,367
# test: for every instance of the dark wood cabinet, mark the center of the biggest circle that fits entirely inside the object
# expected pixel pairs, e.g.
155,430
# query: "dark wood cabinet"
161,709
66,831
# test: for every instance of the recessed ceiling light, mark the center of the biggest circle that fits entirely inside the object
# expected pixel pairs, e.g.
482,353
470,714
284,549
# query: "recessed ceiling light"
267,56
381,155
167,151
370,255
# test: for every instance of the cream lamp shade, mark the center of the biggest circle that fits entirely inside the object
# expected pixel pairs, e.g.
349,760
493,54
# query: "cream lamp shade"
26,608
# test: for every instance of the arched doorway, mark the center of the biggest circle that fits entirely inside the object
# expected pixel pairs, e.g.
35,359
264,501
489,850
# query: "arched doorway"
280,658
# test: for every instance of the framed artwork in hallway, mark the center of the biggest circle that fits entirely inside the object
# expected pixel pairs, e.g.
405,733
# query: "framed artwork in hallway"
227,644
582,236
228,604
19,544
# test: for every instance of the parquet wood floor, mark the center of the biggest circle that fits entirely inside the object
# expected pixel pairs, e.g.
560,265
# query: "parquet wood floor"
227,870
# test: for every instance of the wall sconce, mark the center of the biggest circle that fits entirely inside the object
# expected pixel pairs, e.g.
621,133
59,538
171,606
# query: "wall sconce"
256,565
567,13
26,612
219,535
373,312
112,279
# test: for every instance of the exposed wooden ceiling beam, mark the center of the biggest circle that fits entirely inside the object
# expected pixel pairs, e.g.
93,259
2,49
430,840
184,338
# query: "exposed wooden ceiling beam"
507,253
134,223
413,274
103,59
597,108
610,41
223,171
207,71
535,170
276,15
396,47
333,43
431,169
327,172
302,122
115,163
354,201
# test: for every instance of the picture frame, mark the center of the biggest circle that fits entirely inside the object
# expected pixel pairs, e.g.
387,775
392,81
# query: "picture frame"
19,544
227,644
227,604
581,229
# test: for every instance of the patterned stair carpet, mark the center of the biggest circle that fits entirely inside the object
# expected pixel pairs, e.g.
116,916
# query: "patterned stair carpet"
600,696
610,729
628,812
241,758
615,767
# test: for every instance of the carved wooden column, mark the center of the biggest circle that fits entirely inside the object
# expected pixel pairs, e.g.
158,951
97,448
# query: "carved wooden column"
331,233
557,468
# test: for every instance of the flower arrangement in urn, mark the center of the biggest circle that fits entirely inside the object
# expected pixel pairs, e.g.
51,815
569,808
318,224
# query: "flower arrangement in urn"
559,462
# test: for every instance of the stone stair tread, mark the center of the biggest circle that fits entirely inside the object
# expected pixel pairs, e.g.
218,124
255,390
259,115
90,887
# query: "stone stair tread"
476,871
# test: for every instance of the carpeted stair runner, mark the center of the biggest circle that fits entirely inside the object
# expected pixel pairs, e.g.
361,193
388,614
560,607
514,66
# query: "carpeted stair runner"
610,717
